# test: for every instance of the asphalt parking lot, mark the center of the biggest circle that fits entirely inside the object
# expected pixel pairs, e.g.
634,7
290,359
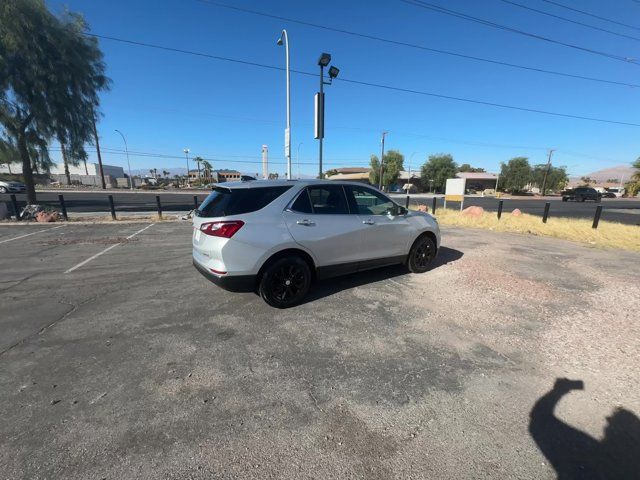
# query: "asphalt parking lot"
118,360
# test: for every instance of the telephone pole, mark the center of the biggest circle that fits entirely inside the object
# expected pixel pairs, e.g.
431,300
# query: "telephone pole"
95,136
382,162
546,172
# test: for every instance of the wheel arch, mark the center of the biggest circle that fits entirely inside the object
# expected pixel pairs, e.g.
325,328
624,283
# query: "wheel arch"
426,233
286,253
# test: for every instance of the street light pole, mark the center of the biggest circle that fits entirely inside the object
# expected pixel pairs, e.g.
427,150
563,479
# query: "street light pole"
321,117
186,154
287,133
126,149
298,159
382,162
323,61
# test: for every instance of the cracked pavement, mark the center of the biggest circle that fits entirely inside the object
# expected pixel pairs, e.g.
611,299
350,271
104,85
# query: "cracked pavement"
134,366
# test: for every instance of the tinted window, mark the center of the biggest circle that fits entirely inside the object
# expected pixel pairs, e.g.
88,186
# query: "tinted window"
223,202
302,203
368,201
328,199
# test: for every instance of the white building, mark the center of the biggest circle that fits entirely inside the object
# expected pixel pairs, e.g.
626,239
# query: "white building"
58,169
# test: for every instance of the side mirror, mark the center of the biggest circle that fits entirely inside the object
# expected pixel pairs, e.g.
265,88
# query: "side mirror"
396,210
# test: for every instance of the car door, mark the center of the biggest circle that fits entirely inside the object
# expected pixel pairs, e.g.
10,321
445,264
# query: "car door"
386,236
319,220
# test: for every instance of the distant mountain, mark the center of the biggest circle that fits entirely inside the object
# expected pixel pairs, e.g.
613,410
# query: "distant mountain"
621,172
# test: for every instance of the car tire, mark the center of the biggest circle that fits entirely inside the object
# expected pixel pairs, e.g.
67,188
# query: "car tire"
285,282
564,199
422,253
3,190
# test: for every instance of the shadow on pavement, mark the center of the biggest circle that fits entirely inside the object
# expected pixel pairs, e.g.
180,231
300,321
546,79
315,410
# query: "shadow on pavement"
332,286
576,455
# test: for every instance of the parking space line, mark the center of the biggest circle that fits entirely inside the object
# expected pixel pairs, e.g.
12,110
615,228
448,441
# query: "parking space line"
84,262
29,234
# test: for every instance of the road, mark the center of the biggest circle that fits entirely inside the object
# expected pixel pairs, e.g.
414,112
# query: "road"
615,210
119,360
618,210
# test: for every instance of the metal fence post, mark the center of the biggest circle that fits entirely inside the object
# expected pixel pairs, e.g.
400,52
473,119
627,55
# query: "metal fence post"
112,207
407,205
14,203
596,218
433,205
546,212
159,206
195,201
500,202
63,207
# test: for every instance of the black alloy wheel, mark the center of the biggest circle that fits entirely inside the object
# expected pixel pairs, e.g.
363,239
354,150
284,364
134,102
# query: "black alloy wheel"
285,282
421,255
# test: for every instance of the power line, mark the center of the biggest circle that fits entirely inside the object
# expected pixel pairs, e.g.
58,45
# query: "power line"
591,14
415,46
370,84
453,13
565,19
353,161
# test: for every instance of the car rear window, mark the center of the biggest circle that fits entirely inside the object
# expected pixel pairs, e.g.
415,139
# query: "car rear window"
223,202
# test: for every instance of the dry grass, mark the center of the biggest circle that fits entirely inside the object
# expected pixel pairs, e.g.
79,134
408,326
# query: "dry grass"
607,235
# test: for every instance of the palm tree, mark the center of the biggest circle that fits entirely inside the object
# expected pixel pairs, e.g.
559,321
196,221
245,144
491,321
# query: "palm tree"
198,160
165,173
207,169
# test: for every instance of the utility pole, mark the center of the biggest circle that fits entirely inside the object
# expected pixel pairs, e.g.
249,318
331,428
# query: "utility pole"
186,154
284,39
95,136
382,162
546,172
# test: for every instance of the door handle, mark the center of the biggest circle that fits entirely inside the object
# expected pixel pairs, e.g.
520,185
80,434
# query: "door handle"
305,222
368,222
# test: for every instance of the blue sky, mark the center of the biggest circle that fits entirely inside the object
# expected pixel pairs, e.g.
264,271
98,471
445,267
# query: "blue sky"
166,101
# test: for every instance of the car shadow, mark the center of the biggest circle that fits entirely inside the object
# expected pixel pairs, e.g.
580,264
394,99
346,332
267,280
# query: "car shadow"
575,454
328,287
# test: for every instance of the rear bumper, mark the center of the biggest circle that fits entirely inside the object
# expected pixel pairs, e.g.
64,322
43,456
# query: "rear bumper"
234,283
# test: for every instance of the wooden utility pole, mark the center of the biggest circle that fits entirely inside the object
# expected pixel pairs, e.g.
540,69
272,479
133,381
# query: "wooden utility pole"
95,136
546,172
382,161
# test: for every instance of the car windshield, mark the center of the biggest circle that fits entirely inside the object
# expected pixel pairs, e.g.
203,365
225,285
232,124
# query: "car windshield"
223,202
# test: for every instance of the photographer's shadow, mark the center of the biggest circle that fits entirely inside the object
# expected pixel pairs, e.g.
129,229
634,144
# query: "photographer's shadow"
577,455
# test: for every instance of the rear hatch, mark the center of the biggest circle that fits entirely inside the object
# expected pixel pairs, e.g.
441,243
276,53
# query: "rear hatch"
225,211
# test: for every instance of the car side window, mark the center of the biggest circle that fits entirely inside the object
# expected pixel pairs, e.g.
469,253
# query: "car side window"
368,201
328,199
302,203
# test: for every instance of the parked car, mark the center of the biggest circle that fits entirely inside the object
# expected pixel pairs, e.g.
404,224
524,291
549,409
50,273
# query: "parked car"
277,237
608,194
618,191
580,194
12,187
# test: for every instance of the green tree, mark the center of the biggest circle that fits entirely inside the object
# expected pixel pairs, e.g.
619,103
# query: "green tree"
465,167
50,76
515,175
557,177
633,187
587,180
437,170
331,172
393,165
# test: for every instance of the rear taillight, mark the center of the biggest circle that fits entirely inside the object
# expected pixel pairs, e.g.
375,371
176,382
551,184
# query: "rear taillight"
225,229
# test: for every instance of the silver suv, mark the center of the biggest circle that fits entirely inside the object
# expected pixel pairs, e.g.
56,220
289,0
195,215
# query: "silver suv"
276,237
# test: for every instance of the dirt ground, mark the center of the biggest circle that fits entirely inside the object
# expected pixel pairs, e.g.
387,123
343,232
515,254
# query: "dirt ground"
134,366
